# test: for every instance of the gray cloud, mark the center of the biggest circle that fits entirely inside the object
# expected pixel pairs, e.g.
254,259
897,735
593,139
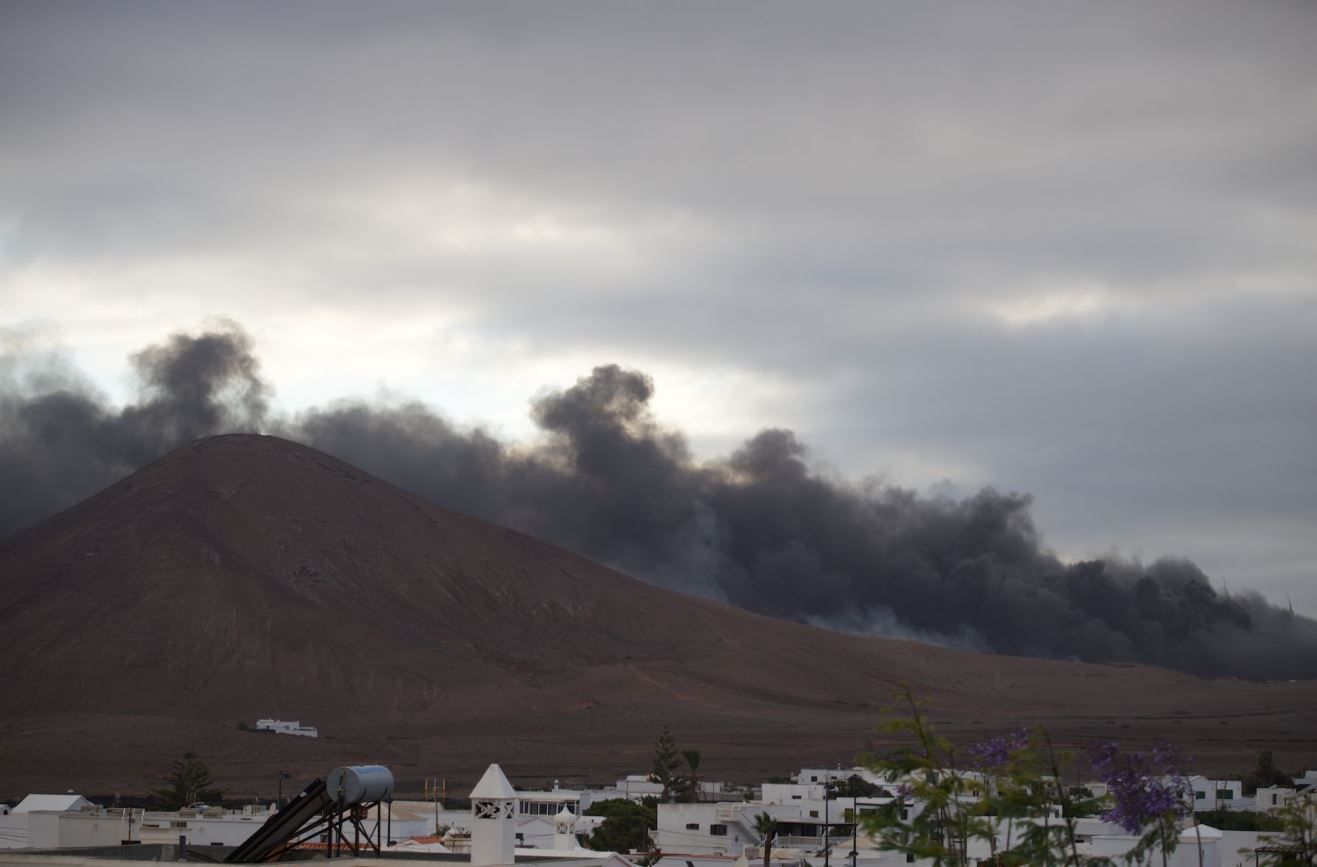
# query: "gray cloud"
1065,249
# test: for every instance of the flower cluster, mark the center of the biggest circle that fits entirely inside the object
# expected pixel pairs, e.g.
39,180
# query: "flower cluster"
997,752
1143,789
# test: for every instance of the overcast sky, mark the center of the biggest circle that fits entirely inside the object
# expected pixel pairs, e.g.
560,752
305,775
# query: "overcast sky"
1061,248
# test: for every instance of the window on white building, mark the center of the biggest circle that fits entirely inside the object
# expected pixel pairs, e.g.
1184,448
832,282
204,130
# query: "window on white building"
547,808
718,830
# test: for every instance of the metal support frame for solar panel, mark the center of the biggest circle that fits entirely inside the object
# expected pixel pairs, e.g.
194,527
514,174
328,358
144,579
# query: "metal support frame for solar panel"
311,816
330,826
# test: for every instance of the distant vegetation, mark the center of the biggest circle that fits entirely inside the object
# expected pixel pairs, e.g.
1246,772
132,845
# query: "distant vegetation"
1240,820
667,769
187,782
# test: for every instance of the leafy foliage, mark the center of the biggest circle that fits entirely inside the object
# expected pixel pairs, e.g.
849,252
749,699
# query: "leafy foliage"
1148,796
924,774
626,825
1015,782
1239,820
1012,790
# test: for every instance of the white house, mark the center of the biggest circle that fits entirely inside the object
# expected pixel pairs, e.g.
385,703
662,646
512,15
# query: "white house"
53,803
1209,794
1269,798
837,775
782,793
634,787
729,828
58,821
287,727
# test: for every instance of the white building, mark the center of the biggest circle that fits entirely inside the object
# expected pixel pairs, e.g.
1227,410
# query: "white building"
837,775
783,793
287,727
1209,794
635,787
729,828
57,821
1269,798
201,826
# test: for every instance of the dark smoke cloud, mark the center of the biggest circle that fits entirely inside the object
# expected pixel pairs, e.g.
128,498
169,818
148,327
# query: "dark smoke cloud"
60,442
761,529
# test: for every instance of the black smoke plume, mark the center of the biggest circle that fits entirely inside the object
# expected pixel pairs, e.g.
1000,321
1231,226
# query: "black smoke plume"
760,529
60,442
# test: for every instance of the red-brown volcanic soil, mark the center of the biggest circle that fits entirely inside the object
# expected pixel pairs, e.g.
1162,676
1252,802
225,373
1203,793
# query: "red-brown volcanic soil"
247,576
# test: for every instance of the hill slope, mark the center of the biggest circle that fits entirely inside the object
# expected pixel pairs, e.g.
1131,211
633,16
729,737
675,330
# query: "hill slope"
247,576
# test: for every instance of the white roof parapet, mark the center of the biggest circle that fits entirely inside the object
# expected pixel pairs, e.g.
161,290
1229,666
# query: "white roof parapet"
493,786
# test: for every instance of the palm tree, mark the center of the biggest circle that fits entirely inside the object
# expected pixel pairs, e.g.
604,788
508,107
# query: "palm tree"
692,758
766,825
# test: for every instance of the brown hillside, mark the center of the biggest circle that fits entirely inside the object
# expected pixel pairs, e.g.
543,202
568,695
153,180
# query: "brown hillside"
248,576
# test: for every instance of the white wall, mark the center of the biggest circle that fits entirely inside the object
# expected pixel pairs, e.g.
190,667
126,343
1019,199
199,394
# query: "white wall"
783,793
676,835
13,830
829,775
1219,794
226,829
60,830
1270,798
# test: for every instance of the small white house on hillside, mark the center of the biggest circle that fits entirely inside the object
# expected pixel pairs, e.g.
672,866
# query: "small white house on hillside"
286,727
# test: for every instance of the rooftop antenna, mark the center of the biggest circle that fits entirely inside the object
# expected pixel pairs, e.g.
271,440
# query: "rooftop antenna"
1289,601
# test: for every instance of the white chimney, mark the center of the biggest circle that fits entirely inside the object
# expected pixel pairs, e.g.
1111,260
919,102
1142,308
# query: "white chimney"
564,827
493,819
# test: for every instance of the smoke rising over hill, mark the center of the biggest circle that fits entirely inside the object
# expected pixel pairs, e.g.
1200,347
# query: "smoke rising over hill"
760,528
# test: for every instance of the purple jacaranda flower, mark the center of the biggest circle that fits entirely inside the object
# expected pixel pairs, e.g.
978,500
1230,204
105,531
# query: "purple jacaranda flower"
997,752
1142,789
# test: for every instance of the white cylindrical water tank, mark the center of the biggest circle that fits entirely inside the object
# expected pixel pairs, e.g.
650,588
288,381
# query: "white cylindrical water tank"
359,784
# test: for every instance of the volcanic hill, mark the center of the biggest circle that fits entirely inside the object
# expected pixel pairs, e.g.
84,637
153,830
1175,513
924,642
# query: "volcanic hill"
247,576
